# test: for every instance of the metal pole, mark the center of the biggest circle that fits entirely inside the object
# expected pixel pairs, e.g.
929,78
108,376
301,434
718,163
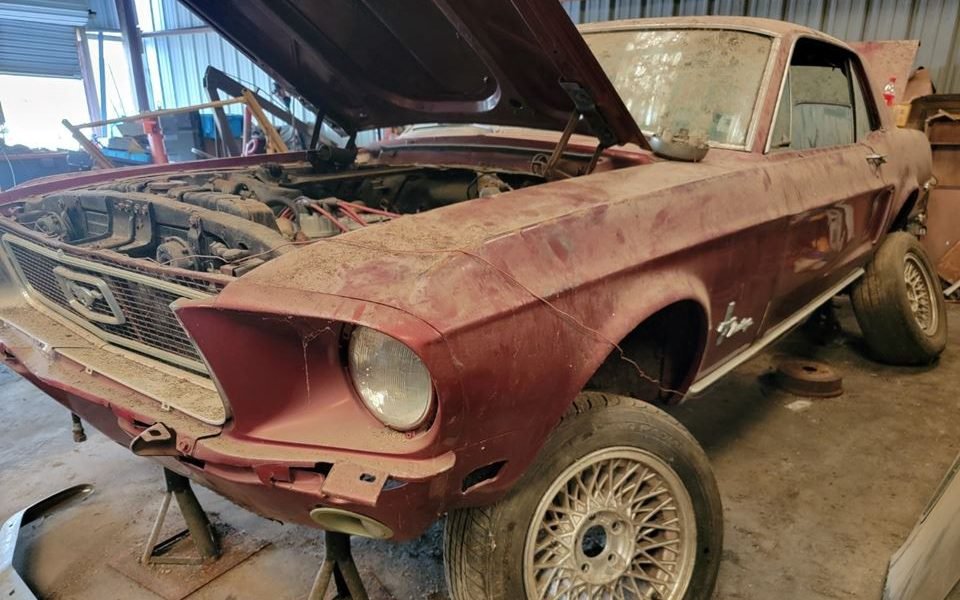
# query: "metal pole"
338,566
315,135
227,141
103,82
201,532
86,74
133,44
99,159
155,530
79,435
348,569
161,113
275,143
950,290
247,130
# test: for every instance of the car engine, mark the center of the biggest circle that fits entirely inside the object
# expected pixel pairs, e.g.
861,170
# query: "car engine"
231,221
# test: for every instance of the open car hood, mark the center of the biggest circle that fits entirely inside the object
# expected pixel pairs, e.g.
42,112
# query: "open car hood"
378,63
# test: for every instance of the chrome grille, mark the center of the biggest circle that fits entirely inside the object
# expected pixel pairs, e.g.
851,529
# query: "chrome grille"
149,325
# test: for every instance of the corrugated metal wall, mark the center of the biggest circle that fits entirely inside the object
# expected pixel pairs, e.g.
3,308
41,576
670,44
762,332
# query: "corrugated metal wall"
70,13
936,23
177,55
176,60
38,37
177,63
38,49
103,16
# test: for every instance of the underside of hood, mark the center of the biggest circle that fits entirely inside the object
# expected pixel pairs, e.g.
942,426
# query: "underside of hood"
377,63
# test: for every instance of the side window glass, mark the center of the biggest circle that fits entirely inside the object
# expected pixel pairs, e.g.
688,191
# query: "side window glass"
822,107
817,108
864,123
781,129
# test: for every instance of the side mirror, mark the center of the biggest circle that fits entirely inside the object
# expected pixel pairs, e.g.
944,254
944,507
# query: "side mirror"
679,146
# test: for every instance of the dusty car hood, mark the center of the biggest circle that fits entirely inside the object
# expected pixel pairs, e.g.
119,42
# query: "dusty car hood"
426,264
383,63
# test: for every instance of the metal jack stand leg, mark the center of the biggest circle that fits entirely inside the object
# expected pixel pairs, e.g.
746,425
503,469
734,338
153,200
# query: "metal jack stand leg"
338,565
198,527
79,435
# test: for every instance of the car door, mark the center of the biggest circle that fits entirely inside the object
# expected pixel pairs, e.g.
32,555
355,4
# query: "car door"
826,135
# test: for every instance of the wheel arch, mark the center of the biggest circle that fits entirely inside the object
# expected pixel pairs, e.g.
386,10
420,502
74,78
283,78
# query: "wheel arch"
637,304
660,313
658,358
906,207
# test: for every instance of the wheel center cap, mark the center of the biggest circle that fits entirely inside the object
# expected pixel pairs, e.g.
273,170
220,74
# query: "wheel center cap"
604,547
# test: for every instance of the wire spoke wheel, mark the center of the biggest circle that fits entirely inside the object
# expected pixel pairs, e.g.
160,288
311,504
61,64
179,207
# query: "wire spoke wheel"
899,305
920,294
618,524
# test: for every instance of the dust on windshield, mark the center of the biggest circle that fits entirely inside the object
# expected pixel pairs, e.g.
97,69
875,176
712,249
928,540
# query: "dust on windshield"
704,81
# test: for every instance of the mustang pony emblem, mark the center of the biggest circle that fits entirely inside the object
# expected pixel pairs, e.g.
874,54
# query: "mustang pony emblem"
90,296
84,296
731,325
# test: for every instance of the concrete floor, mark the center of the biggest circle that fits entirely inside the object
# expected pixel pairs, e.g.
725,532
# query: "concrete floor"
817,494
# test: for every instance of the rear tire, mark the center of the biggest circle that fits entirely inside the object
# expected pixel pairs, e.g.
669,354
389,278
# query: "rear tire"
620,494
899,304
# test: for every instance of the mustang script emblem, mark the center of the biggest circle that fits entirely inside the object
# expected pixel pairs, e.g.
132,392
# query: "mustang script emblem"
730,325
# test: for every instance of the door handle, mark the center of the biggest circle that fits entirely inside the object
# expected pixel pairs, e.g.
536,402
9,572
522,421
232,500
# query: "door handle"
877,159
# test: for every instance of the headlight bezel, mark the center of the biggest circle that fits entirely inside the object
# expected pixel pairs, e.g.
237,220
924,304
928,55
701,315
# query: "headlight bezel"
427,415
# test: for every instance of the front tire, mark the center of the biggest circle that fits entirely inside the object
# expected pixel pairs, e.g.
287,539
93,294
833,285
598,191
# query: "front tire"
620,503
899,304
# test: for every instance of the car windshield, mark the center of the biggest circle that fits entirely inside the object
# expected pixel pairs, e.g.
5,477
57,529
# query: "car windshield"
704,81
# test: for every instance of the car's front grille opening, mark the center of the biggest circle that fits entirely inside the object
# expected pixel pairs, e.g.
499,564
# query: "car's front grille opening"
142,303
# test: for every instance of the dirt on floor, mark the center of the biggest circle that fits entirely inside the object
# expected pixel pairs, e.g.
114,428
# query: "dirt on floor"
817,493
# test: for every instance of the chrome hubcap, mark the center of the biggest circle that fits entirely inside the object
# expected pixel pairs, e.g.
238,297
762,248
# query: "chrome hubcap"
920,294
617,525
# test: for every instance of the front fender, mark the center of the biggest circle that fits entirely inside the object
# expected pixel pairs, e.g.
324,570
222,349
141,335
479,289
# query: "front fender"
551,348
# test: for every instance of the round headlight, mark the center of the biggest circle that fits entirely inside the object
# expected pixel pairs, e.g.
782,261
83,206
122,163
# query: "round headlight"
391,379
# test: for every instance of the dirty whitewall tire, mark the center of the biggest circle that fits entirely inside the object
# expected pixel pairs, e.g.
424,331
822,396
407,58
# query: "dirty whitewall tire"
899,304
491,552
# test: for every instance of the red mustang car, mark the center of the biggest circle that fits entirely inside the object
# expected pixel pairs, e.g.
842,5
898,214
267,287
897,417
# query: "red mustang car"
480,318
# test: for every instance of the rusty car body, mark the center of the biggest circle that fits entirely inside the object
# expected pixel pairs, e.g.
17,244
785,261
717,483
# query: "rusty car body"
540,264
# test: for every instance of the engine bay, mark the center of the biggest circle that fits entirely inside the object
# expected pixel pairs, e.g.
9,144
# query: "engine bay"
232,221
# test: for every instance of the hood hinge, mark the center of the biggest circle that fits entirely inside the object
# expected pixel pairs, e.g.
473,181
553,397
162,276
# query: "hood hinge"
584,108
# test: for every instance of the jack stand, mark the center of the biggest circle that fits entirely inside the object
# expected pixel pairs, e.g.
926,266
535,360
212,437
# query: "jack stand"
823,326
198,527
79,435
338,565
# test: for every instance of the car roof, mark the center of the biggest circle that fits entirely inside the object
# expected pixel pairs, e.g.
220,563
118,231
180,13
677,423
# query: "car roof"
772,27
